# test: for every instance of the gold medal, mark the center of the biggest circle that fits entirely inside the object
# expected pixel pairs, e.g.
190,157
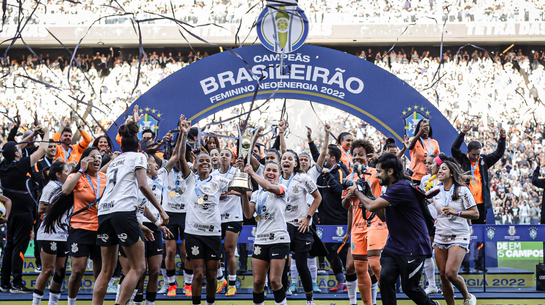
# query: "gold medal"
200,200
258,218
172,194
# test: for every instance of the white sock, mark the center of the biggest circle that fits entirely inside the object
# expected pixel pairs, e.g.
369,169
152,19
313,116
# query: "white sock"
111,281
165,277
133,295
266,280
209,303
284,302
36,298
313,267
188,278
171,279
293,272
374,290
219,274
232,277
54,298
72,301
351,288
150,302
137,303
429,269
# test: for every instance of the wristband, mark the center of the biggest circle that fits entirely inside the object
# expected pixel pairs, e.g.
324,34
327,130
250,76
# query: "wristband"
81,171
459,213
158,222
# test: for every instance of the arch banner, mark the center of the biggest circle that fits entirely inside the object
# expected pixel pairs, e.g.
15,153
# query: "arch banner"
311,73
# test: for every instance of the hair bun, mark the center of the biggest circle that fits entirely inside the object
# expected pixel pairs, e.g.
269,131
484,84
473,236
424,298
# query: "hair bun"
128,130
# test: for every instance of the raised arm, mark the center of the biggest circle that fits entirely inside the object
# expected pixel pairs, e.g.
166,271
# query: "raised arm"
142,180
281,130
38,154
323,149
494,157
184,130
266,185
406,144
313,149
455,149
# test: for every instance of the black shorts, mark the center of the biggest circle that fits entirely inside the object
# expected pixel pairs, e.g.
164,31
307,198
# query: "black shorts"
118,228
83,243
176,225
233,226
154,247
202,247
300,242
271,251
58,248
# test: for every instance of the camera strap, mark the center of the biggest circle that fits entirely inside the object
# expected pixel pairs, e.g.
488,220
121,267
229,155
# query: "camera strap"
363,209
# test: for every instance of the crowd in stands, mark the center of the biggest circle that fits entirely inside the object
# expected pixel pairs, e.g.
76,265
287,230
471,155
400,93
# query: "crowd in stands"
318,11
489,89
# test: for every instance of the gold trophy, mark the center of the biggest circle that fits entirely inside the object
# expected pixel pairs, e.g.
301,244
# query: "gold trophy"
241,182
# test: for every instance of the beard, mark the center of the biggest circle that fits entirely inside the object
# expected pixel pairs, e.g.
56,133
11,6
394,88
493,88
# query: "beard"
384,181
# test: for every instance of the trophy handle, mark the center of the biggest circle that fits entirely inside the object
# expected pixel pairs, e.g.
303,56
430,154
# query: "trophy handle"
253,145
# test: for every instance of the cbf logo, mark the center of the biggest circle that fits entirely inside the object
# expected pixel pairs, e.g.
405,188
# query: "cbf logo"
512,231
490,232
533,232
320,232
411,116
340,231
150,121
282,27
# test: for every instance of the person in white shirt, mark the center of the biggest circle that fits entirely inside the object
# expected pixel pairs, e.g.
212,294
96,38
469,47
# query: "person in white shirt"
524,211
52,242
272,240
455,205
118,224
203,220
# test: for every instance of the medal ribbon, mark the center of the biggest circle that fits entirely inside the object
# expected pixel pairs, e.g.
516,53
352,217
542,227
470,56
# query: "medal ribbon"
58,183
97,190
47,161
291,177
198,183
261,202
447,196
66,153
430,149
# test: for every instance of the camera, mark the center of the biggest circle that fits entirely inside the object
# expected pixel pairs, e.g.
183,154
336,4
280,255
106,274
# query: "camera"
362,186
410,172
359,169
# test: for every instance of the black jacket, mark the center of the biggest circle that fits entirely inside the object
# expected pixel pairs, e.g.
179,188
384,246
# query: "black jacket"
539,182
485,162
331,211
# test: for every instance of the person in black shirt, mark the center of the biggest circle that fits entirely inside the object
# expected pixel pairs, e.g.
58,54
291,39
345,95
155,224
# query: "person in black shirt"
14,171
539,182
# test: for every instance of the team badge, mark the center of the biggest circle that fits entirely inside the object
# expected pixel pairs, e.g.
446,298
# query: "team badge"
411,116
512,231
340,231
53,246
75,247
122,237
195,250
353,246
295,189
533,232
150,120
320,232
257,250
490,232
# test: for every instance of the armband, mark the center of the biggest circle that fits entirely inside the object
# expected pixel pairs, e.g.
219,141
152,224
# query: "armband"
158,222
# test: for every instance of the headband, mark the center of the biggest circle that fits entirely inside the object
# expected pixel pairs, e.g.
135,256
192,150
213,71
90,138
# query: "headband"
438,160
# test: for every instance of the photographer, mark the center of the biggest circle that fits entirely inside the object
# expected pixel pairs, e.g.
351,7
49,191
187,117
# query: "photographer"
539,182
409,243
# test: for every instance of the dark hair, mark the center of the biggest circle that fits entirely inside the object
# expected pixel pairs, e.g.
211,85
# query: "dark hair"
85,154
473,145
297,168
230,152
50,173
58,206
390,143
457,177
369,149
334,151
274,150
212,140
149,130
341,137
390,161
275,163
8,150
66,129
129,140
417,129
95,143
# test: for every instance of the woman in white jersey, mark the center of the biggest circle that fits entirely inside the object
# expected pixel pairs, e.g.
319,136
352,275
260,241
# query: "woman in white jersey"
455,205
298,215
231,221
53,245
118,224
272,240
203,221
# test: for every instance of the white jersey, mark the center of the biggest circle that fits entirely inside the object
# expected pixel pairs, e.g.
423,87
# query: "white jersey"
204,219
436,182
231,205
271,208
451,228
157,190
60,234
298,187
121,193
177,186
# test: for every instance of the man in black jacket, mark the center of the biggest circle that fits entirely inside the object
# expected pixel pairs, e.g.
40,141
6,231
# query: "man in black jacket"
478,164
540,182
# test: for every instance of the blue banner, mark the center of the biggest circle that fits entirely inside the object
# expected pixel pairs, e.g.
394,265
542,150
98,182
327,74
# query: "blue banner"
311,73
480,233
